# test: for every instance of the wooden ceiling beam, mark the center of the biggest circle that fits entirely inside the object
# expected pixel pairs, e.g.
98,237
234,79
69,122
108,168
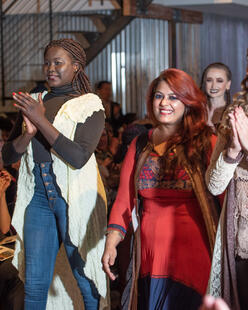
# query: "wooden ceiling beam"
157,11
106,37
10,6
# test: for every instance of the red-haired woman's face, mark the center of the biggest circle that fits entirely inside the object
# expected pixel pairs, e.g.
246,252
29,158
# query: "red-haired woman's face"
167,108
216,82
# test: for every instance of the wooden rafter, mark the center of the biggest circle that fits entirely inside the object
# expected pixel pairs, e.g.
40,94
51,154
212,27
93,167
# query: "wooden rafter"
119,22
158,11
10,6
107,36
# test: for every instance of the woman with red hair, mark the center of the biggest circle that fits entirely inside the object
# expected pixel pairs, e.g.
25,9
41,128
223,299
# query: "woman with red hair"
162,192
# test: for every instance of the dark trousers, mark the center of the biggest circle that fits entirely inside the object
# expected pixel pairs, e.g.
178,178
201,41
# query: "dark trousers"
11,287
242,282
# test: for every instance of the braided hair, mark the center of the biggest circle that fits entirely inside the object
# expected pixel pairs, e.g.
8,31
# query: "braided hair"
80,81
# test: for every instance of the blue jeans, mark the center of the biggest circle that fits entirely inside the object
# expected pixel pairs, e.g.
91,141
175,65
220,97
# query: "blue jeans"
45,227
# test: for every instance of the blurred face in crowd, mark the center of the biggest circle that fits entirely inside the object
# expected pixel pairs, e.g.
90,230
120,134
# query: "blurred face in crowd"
104,141
217,82
1,146
105,92
167,108
5,135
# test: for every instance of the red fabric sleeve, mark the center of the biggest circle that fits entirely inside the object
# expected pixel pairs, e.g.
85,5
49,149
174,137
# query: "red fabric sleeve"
120,215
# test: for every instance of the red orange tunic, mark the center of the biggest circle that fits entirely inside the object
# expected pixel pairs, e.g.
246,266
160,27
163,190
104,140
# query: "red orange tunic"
174,242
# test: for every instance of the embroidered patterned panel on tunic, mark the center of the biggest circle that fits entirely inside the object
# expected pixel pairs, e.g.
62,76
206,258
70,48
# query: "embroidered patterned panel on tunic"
153,176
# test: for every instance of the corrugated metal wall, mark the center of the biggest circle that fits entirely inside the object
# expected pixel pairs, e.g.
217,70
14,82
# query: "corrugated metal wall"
133,58
218,39
131,61
189,49
225,39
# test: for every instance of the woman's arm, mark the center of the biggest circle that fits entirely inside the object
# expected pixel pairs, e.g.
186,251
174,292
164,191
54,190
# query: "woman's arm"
77,152
110,252
221,168
226,157
120,215
5,219
86,138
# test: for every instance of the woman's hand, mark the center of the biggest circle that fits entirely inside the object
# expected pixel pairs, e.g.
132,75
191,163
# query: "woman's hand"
108,260
35,113
242,127
5,179
211,303
235,146
30,128
110,252
32,109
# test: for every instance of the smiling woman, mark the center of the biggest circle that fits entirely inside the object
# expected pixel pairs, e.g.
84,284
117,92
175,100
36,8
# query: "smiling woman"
59,67
167,108
174,217
216,83
60,195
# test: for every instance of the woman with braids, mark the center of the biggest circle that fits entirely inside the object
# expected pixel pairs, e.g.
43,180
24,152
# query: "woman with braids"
216,83
228,170
174,217
60,196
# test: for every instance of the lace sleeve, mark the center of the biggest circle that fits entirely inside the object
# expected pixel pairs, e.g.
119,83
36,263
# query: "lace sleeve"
220,171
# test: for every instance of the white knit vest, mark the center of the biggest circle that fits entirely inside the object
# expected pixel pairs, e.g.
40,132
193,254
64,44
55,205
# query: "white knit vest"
83,190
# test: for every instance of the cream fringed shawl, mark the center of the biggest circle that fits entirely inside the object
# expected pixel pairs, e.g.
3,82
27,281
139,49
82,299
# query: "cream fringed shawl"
84,192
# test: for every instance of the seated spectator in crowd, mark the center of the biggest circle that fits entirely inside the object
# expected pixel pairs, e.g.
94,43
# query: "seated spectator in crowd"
5,128
110,172
113,110
11,287
129,133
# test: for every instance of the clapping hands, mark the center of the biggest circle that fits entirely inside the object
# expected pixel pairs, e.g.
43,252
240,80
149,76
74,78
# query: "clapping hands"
33,111
239,141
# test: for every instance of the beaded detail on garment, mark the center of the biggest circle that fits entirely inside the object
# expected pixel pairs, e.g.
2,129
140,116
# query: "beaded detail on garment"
241,210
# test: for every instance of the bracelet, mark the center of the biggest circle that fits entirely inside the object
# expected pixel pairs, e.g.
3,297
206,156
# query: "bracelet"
112,231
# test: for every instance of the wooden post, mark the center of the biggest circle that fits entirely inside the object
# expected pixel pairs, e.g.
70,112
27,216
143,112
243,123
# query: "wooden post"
172,44
2,54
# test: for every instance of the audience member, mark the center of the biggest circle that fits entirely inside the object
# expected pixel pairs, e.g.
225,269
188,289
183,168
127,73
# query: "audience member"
113,110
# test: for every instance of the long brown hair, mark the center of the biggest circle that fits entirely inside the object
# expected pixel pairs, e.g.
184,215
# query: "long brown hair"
194,135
